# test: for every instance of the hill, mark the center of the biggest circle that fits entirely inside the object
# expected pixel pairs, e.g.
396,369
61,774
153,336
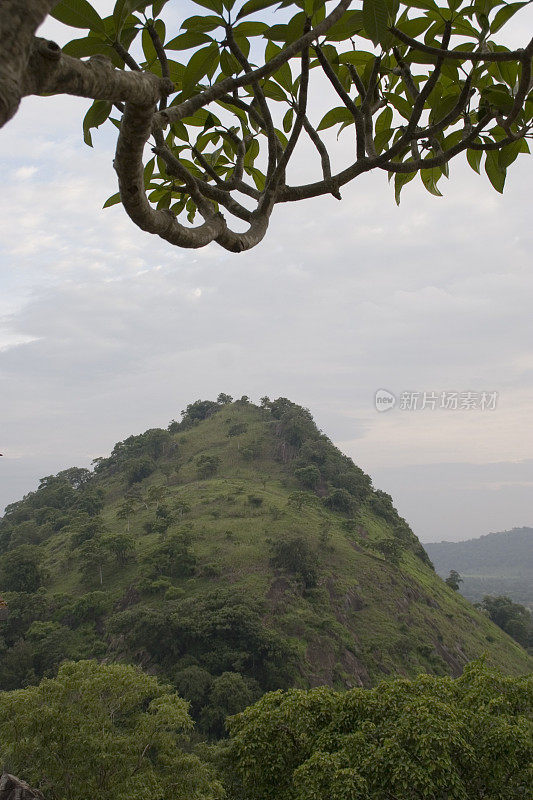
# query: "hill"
235,552
495,564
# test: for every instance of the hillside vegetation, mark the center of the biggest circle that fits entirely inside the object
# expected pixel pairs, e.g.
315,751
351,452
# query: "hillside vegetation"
236,552
495,564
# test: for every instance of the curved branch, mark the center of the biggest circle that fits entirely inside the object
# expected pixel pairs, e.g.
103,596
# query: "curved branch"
135,129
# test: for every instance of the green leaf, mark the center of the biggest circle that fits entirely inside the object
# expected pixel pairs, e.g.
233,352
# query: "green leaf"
199,65
375,19
403,106
414,27
359,58
112,201
274,91
185,41
122,10
283,76
148,172
78,14
250,28
495,172
95,116
426,5
91,46
157,7
429,179
349,25
202,24
384,121
255,5
504,15
499,97
474,159
400,179
229,64
212,5
287,120
334,116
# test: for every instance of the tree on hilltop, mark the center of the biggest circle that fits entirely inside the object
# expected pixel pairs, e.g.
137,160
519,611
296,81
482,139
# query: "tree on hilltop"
416,82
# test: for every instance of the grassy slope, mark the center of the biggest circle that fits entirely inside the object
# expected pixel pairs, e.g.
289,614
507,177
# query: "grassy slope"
366,618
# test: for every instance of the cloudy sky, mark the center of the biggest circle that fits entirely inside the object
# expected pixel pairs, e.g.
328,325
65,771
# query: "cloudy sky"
106,331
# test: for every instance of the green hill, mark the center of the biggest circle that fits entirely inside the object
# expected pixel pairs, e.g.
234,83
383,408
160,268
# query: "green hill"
235,552
495,564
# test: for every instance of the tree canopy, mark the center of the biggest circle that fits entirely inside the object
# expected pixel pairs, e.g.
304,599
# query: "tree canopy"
403,740
106,731
225,97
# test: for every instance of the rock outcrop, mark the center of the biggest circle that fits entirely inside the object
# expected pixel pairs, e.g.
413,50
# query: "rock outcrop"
12,788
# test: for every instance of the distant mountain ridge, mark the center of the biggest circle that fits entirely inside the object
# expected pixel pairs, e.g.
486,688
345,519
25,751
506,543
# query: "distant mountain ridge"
497,563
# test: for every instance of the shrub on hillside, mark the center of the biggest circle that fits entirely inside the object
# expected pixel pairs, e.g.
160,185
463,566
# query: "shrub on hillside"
295,556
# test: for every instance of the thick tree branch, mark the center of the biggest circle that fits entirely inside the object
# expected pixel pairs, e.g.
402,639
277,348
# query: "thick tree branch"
18,23
135,129
50,71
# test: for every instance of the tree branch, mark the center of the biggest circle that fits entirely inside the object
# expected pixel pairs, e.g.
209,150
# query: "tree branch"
463,55
324,155
216,91
135,129
50,71
347,100
18,23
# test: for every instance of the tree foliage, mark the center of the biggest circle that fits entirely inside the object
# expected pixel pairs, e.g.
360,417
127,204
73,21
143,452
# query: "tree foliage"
225,96
513,618
107,731
463,739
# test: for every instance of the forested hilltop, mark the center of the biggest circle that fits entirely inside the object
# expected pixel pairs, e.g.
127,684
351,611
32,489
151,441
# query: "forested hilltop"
236,552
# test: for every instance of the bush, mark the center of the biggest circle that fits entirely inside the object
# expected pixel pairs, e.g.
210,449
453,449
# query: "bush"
139,469
237,429
20,570
308,476
296,557
207,466
340,500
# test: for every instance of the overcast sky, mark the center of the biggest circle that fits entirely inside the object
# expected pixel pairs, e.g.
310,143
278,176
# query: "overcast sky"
106,331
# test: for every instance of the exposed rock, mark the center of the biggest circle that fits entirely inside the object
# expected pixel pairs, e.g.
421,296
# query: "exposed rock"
130,597
12,788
